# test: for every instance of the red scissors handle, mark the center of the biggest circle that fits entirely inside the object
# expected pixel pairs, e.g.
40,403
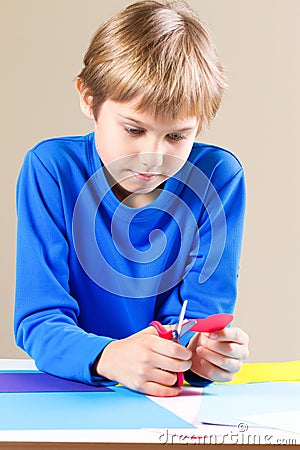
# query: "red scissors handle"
163,333
170,335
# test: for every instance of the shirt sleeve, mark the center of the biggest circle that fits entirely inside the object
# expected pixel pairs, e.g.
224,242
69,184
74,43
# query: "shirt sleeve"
46,314
211,286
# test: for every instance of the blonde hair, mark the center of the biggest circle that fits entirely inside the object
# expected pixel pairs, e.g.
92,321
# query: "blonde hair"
159,53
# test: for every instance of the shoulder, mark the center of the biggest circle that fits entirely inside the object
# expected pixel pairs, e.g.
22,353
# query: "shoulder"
58,154
212,159
215,165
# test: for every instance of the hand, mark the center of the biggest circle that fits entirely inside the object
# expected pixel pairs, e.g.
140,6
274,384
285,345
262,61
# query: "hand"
219,355
145,362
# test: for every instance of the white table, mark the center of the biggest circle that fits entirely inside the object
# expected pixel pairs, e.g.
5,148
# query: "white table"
184,406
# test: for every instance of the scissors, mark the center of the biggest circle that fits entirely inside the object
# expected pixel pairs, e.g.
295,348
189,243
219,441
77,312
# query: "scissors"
176,334
211,323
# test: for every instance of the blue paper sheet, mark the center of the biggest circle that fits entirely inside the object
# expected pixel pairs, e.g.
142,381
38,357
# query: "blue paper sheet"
226,404
119,408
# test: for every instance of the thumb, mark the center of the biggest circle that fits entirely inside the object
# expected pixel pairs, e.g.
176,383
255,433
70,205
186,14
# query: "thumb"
196,340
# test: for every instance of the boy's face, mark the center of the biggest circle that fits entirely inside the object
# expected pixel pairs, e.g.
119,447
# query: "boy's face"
140,152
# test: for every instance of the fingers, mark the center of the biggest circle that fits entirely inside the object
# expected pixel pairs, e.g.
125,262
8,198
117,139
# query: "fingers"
233,334
167,359
158,375
232,343
171,349
157,390
166,355
166,347
171,364
219,355
225,349
156,382
155,375
211,372
219,360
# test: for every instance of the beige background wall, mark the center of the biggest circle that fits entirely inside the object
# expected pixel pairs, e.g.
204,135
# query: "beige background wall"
42,44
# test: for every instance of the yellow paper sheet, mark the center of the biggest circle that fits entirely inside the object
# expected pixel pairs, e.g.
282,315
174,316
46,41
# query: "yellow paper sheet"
272,371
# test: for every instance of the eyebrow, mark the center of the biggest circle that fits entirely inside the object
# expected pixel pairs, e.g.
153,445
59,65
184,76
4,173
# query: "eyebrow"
141,124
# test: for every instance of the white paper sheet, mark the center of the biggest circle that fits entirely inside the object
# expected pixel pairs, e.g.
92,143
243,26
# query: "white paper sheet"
286,420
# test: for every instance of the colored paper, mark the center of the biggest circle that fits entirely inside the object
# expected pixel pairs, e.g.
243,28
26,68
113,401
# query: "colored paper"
120,408
273,371
212,323
42,382
287,421
186,405
225,404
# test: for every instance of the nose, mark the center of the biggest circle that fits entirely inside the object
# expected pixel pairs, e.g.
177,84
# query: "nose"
152,157
150,160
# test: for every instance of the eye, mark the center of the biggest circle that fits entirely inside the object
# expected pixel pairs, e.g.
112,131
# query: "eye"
134,131
176,137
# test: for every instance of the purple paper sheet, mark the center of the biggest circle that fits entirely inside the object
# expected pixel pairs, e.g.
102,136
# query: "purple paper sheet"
43,382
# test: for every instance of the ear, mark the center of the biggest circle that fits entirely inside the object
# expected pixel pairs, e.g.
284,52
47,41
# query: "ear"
85,99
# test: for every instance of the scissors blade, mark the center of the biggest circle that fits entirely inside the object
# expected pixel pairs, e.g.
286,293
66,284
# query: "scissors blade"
181,317
187,326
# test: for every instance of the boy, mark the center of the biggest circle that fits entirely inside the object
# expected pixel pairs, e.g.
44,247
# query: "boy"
118,227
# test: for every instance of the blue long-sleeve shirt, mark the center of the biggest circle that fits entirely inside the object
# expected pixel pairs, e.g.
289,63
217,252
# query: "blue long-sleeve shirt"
91,269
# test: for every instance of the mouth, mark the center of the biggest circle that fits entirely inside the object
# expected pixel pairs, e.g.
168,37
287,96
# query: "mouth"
146,176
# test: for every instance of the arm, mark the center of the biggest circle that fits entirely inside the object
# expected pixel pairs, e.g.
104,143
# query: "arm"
46,314
218,292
